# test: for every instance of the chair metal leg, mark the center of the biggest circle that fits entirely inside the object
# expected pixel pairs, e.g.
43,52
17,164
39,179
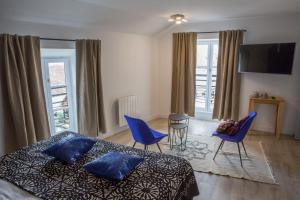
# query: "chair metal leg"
222,142
180,137
240,154
134,143
244,148
186,137
169,132
158,147
173,139
222,145
176,134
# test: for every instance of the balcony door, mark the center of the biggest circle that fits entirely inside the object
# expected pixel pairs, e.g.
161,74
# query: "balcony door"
206,73
58,94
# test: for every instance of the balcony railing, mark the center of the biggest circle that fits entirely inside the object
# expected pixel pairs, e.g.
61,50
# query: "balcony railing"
201,90
60,107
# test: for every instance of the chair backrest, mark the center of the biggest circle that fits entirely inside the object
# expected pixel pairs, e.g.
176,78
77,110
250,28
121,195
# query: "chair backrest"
140,130
245,126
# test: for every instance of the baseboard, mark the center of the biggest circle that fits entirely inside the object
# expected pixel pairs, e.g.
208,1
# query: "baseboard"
111,133
150,118
260,132
163,116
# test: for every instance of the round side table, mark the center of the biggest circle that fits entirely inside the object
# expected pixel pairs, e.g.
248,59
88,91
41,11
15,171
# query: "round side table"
179,124
180,131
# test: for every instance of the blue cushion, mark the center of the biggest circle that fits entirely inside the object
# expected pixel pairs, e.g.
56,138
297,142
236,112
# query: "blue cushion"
70,148
113,165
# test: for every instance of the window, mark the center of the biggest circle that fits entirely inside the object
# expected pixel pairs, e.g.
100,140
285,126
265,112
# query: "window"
206,72
59,93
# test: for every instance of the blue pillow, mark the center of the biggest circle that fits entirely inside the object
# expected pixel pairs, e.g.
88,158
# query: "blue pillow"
113,165
70,148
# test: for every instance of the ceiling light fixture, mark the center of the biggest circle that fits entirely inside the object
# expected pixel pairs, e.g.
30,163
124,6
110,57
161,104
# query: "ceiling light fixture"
177,18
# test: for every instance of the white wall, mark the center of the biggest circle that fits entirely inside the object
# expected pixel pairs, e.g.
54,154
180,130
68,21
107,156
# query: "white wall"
128,65
259,30
128,69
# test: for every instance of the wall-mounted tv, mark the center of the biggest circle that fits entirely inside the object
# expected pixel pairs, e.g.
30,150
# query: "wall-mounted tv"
267,58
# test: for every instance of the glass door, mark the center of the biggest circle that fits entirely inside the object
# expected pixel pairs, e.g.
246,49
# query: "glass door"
58,94
206,73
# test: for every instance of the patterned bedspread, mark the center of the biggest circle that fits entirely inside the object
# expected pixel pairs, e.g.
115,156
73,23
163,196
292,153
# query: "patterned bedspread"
160,176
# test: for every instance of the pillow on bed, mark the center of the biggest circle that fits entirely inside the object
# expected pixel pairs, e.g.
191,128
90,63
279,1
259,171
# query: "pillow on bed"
70,148
113,165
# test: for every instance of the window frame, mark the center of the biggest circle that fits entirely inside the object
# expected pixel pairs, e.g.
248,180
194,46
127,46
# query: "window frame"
47,90
207,111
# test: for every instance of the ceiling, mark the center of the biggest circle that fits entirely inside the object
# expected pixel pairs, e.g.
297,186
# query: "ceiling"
138,16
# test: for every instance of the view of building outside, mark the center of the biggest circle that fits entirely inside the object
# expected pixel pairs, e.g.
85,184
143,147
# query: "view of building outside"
59,96
206,72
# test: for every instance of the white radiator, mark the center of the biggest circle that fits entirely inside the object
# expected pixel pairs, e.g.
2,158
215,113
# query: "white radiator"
126,106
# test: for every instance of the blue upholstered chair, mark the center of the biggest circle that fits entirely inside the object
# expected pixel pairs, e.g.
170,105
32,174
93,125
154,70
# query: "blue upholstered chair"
237,138
142,133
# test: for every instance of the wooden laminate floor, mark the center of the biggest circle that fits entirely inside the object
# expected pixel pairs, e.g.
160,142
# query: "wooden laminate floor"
283,154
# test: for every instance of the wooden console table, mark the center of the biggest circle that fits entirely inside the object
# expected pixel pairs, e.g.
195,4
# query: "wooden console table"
278,102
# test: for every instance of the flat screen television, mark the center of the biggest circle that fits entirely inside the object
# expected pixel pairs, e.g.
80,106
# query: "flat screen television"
267,58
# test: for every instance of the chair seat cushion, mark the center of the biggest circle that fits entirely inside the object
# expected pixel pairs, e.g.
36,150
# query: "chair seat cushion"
70,148
158,135
113,165
224,136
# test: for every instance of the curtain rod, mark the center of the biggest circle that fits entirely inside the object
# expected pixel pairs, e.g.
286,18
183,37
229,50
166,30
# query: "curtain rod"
218,31
58,39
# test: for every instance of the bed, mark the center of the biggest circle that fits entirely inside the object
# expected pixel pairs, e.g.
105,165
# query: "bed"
160,176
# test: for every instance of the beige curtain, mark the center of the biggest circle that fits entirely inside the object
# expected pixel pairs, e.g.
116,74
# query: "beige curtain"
90,106
183,75
228,80
22,92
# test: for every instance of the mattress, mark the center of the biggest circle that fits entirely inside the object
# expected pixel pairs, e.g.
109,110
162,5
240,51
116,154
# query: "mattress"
30,173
